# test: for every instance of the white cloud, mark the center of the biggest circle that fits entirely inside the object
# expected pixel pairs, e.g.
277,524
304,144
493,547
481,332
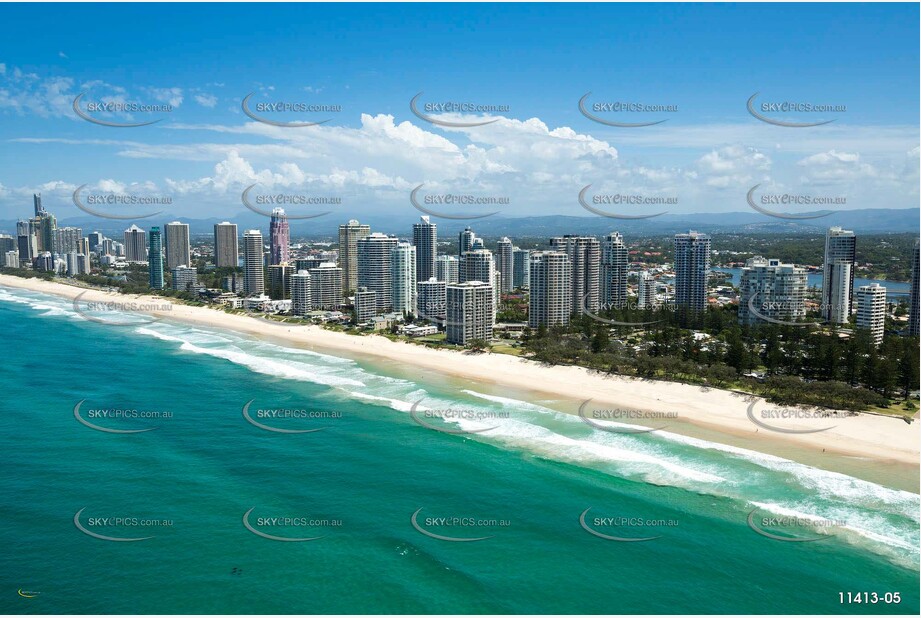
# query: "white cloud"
206,100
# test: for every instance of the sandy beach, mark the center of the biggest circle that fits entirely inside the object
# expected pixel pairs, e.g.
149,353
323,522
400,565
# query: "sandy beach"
871,437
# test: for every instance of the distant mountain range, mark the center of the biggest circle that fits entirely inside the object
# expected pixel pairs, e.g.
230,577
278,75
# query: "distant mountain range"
868,220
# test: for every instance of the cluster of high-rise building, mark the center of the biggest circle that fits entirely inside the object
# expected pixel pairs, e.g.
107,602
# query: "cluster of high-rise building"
382,273
772,291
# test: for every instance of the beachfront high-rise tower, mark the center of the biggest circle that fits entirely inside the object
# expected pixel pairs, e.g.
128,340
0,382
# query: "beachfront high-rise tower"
425,239
505,264
776,291
300,293
838,274
279,237
469,311
521,269
374,267
432,299
646,291
871,310
176,240
585,269
226,245
614,263
349,235
253,263
550,300
692,270
403,260
326,286
135,244
447,268
155,259
914,311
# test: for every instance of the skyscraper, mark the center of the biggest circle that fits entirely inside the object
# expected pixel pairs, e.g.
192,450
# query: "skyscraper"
432,299
37,204
505,264
838,274
425,239
184,278
914,311
614,264
70,240
300,293
692,270
871,310
550,289
253,263
776,291
403,260
465,241
135,244
374,267
155,259
470,312
279,237
585,269
95,239
349,235
280,281
447,268
226,245
522,268
646,291
178,249
479,265
365,305
325,287
45,226
27,245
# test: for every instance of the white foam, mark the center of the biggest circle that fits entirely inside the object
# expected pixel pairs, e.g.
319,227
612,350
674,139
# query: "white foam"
259,364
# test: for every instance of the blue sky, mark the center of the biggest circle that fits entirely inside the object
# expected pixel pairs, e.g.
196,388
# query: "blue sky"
538,60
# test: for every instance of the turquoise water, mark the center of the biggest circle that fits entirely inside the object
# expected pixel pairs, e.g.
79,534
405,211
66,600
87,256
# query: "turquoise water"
357,482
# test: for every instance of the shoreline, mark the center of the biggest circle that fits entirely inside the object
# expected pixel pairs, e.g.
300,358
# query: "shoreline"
720,415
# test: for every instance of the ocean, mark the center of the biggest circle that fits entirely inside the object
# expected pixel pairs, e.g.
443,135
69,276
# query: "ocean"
377,506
